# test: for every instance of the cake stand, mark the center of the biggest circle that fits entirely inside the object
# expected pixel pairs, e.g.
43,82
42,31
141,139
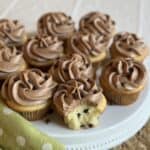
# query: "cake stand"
117,124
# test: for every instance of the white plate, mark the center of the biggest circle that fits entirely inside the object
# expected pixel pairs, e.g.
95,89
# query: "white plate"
116,125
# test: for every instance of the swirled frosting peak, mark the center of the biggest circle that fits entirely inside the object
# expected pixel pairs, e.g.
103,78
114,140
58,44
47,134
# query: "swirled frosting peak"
42,50
74,92
28,88
88,44
12,32
97,23
57,24
128,44
71,67
124,74
11,60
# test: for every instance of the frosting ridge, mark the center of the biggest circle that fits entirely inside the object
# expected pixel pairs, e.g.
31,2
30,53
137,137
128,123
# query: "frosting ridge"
57,24
125,74
41,50
28,88
128,44
12,32
74,67
11,60
88,44
97,23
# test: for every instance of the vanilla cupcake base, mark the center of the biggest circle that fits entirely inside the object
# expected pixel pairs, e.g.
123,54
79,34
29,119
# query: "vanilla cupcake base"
85,116
98,60
23,66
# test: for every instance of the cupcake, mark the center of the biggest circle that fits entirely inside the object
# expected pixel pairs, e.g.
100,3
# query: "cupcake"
122,80
79,103
11,61
97,23
127,44
41,51
12,32
94,46
29,93
56,24
71,67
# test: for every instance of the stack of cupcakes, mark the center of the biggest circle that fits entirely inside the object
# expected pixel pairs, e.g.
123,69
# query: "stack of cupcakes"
56,68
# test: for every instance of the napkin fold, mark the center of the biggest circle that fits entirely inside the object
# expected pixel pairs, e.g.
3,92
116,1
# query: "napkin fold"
16,133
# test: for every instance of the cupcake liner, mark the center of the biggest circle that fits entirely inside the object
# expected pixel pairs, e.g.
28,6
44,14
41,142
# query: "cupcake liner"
31,114
35,115
120,99
117,97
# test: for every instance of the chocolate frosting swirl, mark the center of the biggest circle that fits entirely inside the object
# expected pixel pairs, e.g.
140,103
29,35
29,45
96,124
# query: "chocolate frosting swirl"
28,88
128,44
88,44
124,74
72,67
57,24
97,23
11,60
74,92
42,50
12,32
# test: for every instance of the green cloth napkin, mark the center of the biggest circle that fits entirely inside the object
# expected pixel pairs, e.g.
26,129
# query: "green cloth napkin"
16,133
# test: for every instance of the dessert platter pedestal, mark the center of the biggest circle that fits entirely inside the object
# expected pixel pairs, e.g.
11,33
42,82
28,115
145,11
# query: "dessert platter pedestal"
117,124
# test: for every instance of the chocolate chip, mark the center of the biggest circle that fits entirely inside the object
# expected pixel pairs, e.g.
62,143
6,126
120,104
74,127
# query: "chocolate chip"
88,80
78,114
130,70
122,83
95,91
47,119
65,70
87,65
113,22
56,65
80,69
34,88
46,77
90,125
51,111
124,40
86,110
130,49
82,126
118,36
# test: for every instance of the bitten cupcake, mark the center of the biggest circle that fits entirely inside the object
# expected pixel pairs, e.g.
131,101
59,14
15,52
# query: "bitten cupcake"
80,103
11,61
127,44
41,51
12,32
97,23
56,24
29,93
94,46
122,80
71,67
